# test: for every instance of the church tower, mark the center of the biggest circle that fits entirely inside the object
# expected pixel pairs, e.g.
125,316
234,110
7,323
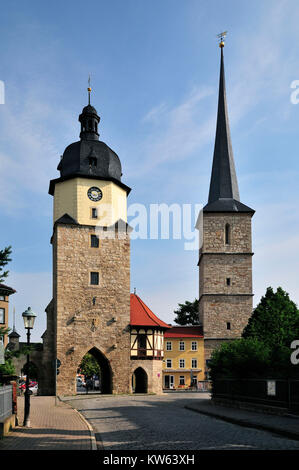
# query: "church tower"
90,309
225,255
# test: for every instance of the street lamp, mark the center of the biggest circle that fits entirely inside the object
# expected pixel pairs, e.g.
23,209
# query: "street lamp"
29,318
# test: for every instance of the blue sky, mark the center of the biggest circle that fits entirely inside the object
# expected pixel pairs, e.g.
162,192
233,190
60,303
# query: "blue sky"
155,69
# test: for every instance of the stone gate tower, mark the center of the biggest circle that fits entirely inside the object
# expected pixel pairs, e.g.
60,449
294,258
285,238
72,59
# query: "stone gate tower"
90,309
225,255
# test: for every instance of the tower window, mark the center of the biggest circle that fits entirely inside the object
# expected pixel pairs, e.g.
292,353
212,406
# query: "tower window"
94,278
94,213
2,315
94,241
227,234
228,281
228,326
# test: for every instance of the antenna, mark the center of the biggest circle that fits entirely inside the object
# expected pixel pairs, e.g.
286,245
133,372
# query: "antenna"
221,38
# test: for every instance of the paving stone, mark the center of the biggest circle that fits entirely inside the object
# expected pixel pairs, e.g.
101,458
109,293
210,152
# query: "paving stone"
52,428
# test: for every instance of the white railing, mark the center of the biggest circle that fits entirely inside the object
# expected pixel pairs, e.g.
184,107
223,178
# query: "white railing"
5,402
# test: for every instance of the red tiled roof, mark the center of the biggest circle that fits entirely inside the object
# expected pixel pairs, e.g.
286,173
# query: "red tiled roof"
184,332
141,315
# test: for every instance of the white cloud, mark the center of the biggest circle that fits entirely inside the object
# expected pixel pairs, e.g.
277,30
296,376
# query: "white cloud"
154,114
29,152
176,132
257,77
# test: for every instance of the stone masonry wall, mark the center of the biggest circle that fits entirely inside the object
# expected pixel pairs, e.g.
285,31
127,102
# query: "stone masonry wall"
46,382
153,368
217,311
91,316
221,303
214,232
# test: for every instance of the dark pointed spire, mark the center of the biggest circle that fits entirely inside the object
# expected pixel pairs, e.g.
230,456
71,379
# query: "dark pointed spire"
224,191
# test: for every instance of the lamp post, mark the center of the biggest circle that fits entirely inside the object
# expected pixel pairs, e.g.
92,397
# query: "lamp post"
29,318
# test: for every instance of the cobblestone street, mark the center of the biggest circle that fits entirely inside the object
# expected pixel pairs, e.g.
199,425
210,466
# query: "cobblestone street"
162,423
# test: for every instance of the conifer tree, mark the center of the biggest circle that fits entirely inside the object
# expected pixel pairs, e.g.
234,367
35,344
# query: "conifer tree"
4,260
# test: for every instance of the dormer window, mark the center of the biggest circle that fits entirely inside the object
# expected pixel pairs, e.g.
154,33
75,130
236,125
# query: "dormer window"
92,161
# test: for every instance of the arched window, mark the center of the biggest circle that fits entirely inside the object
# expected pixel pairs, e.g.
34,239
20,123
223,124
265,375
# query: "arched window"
227,234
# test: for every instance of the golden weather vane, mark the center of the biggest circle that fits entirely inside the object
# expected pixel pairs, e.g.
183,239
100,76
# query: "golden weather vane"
89,89
221,38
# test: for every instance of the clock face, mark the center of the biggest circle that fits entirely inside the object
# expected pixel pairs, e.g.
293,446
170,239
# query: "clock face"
94,194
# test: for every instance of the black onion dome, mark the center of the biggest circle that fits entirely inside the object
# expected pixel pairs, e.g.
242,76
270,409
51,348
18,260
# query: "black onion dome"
89,109
89,157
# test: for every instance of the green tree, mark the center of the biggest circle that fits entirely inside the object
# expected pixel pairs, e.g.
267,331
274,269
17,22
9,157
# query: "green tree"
7,368
89,366
264,349
240,358
275,320
187,313
4,260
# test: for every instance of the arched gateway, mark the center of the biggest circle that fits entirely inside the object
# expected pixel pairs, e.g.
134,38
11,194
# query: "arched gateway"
105,371
90,309
139,381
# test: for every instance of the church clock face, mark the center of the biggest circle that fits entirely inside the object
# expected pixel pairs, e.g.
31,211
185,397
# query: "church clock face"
94,194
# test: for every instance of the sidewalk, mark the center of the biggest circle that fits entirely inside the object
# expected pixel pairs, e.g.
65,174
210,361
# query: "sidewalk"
287,425
52,428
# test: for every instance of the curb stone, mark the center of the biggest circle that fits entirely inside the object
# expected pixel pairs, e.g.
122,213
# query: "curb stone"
90,428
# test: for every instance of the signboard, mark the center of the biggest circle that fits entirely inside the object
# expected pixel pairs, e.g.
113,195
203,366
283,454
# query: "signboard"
271,388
